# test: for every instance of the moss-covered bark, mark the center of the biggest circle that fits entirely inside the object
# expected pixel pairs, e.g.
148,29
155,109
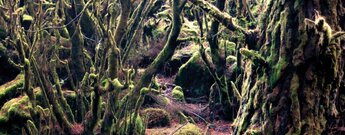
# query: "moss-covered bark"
114,59
167,51
11,89
295,93
220,16
114,64
219,61
77,56
138,18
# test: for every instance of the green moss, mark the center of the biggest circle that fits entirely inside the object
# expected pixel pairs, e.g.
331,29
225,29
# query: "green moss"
117,84
190,28
166,100
188,51
251,54
14,114
182,117
10,89
194,77
144,91
177,93
189,129
253,131
32,129
162,100
230,46
282,63
295,107
70,96
158,30
231,59
136,128
256,10
27,18
2,47
155,84
156,117
273,51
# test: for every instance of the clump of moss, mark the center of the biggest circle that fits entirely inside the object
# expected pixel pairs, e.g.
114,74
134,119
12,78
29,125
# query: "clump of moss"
177,93
228,46
17,107
253,131
10,89
14,114
251,54
189,129
156,117
165,101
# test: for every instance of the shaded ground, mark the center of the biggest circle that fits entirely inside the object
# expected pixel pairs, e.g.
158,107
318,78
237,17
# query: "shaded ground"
198,111
221,128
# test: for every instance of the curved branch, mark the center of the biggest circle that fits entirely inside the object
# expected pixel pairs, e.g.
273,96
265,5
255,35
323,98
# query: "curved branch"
220,16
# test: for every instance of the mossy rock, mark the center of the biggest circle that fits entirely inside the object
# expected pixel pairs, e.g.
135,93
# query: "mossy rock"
156,117
177,93
179,58
194,77
10,89
189,129
14,114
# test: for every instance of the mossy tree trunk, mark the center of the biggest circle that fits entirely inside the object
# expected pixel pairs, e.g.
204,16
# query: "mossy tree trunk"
243,9
296,92
166,53
218,59
114,63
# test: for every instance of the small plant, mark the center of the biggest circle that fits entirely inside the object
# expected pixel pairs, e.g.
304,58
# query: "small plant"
177,94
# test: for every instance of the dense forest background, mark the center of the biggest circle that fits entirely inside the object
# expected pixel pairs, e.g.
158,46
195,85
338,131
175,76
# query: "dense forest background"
172,67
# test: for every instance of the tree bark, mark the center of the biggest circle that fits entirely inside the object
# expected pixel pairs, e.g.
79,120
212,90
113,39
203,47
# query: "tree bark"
220,16
165,54
114,64
220,64
296,92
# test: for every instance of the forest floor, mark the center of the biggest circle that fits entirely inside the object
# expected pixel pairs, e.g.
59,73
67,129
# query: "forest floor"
221,128
196,110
